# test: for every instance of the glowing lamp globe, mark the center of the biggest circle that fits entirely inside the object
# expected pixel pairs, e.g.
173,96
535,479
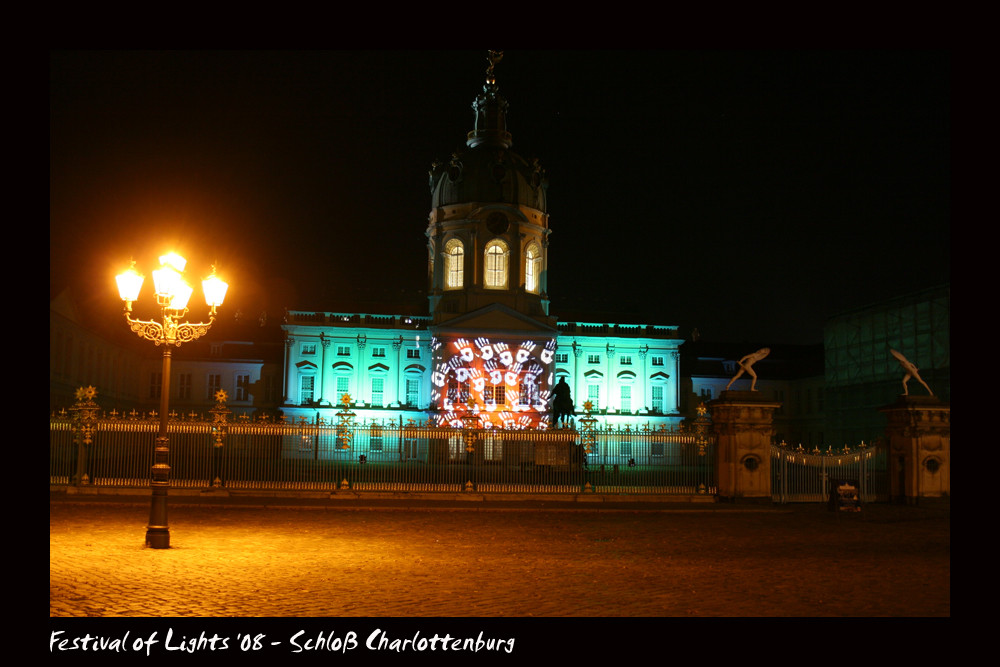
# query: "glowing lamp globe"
174,260
182,294
129,284
215,290
166,280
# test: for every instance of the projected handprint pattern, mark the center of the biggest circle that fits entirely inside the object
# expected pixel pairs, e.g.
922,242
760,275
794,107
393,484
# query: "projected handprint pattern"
504,383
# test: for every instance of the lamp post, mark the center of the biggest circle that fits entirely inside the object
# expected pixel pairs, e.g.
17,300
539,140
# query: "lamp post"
172,294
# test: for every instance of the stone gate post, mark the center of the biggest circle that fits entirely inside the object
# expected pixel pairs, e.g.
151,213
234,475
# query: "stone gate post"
742,422
918,431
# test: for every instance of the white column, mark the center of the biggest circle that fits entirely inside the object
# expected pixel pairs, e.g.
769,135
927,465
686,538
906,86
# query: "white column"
324,343
393,398
359,372
289,341
675,378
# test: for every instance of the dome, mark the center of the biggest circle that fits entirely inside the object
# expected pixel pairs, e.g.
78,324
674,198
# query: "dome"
486,170
488,174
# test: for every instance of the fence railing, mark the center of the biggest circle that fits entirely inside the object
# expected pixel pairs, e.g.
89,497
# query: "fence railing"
87,447
801,475
117,451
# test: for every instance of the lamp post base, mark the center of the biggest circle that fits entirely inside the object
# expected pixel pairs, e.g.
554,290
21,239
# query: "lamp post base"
158,537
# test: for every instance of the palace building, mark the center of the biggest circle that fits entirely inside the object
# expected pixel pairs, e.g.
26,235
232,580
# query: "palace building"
488,351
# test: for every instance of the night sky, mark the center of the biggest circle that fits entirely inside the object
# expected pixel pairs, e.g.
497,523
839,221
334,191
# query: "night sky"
750,195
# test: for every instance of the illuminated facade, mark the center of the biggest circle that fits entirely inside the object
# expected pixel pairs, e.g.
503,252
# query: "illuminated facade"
489,351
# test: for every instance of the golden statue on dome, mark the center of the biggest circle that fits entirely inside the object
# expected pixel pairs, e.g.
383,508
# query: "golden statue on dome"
494,57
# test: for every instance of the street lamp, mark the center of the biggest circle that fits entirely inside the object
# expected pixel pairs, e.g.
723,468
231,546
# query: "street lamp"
172,294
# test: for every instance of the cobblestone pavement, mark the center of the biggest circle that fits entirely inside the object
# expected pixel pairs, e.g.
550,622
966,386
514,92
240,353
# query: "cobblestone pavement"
311,561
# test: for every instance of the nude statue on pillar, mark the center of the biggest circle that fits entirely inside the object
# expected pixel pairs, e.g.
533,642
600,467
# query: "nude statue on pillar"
911,371
746,366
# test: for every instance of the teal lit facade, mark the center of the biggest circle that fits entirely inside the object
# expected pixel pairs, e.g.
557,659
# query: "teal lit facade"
396,368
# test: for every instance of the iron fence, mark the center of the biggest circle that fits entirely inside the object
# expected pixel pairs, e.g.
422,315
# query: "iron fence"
800,475
117,451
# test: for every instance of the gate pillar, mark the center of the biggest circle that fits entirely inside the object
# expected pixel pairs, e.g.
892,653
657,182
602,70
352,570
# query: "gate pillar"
918,431
742,422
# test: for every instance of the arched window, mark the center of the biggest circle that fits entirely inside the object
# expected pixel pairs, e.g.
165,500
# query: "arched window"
532,268
495,276
454,261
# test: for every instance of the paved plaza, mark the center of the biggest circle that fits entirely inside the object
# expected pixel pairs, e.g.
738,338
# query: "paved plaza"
497,560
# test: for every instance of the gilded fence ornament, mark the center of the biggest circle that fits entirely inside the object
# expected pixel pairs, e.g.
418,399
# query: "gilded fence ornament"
701,424
84,416
588,439
345,423
220,427
470,421
85,394
911,371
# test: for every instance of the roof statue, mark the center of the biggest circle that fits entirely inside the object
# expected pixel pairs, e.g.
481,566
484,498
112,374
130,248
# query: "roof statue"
911,371
494,57
746,366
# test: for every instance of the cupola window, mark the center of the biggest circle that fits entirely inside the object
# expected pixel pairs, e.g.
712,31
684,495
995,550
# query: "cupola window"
496,265
454,258
532,268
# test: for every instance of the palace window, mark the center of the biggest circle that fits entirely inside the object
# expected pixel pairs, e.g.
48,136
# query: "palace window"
625,446
562,357
495,276
378,384
412,391
492,446
625,361
456,447
378,352
214,384
656,400
155,385
657,361
308,349
242,387
184,385
412,353
593,358
343,350
495,394
343,386
527,393
410,449
458,393
626,398
307,387
532,268
454,259
594,396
